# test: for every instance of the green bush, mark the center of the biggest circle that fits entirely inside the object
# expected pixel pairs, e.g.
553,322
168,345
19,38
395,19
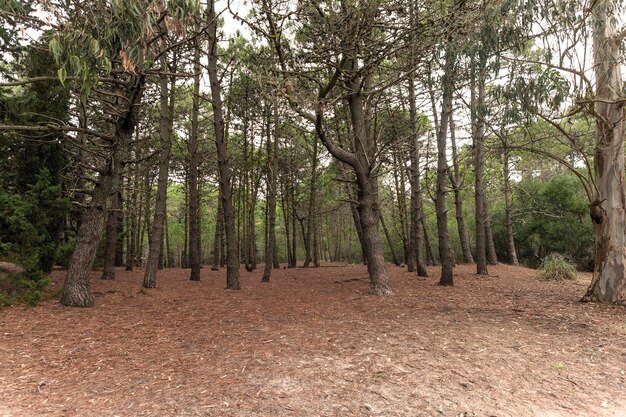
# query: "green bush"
21,288
556,267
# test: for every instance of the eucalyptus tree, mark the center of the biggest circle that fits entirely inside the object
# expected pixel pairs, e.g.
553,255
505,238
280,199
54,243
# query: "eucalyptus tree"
608,208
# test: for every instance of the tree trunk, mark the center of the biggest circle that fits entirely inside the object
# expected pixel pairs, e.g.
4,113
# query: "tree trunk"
194,196
477,101
110,242
396,261
272,174
223,160
442,171
456,181
119,229
76,287
415,238
131,254
368,216
311,224
155,249
492,257
510,240
608,209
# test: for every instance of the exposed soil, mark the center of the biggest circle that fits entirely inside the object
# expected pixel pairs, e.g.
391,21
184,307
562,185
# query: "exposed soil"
313,343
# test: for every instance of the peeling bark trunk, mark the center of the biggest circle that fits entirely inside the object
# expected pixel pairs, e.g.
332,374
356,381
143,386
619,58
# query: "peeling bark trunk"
609,207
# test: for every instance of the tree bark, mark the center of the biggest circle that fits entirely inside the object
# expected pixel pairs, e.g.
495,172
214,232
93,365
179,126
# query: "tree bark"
155,248
492,257
110,241
510,239
217,237
272,173
445,253
194,195
609,206
477,101
456,181
76,287
311,223
223,160
415,237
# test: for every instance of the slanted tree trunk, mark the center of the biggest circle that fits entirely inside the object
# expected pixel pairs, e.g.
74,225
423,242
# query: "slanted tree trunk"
510,239
155,249
456,181
477,101
223,160
76,287
396,261
194,195
445,253
608,209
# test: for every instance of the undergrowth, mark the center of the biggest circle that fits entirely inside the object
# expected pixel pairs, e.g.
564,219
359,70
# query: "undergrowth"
556,267
15,288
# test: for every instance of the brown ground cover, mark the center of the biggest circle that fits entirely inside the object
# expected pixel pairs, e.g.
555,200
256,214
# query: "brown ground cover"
313,343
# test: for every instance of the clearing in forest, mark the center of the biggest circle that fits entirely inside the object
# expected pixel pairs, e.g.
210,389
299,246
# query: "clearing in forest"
313,343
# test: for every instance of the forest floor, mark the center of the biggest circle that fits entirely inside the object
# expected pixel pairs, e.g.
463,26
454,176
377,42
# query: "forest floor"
313,343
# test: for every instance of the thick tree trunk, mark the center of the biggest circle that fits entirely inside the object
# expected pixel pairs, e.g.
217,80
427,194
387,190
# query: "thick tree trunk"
368,216
76,287
194,192
223,160
477,101
609,207
155,249
445,253
456,181
510,239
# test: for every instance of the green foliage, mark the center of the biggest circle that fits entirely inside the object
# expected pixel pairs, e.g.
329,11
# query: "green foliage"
551,216
20,288
30,224
556,267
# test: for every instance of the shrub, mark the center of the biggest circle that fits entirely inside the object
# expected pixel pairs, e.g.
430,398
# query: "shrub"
556,267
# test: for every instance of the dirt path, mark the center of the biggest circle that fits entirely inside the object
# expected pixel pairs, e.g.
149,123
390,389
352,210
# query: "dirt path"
312,343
